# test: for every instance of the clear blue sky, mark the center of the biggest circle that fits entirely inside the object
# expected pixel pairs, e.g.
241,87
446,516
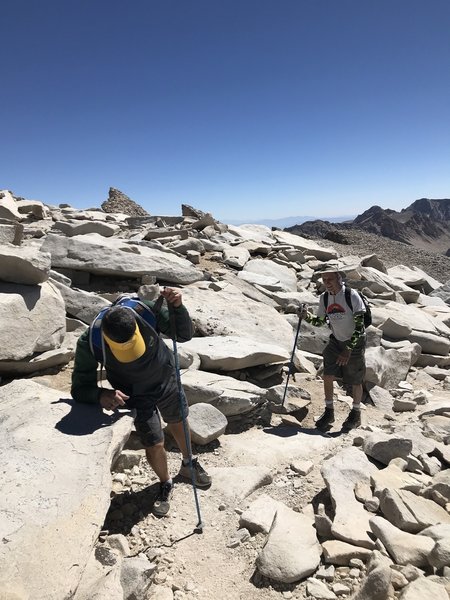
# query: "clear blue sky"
247,108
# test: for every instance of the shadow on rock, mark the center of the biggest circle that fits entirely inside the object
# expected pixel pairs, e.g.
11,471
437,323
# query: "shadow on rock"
84,419
129,508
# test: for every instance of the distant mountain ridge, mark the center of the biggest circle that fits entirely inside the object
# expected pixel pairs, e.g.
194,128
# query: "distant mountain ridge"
424,224
289,221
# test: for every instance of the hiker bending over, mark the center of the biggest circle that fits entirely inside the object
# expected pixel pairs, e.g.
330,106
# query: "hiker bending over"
140,368
343,356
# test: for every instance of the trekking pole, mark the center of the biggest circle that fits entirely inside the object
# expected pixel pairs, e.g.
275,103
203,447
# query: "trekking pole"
181,397
291,364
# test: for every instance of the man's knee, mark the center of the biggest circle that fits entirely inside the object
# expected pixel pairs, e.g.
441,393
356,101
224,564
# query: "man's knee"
155,448
174,424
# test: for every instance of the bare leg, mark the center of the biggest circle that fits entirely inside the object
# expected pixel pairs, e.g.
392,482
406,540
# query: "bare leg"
157,457
328,388
357,392
176,430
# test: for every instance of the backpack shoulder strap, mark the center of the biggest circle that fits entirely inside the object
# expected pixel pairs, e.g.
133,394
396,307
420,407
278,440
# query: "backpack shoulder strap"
141,309
348,297
325,300
96,342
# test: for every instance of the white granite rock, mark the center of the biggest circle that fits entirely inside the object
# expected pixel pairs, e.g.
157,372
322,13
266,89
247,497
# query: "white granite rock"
61,454
292,551
341,473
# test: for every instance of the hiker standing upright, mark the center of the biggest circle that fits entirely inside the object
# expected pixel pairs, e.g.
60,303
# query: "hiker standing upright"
140,368
343,357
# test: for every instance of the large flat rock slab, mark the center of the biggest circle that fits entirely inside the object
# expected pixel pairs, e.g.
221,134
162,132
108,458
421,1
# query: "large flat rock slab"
307,246
230,396
228,353
229,312
274,446
32,320
341,473
114,256
292,551
239,482
55,460
23,264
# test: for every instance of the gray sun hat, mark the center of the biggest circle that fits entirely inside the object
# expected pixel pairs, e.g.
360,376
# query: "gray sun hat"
329,267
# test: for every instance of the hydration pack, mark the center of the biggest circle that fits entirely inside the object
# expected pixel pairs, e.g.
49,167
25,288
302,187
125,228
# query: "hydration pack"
142,311
348,299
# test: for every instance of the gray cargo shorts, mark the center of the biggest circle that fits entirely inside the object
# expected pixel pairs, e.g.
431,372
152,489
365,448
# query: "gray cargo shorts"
353,372
148,419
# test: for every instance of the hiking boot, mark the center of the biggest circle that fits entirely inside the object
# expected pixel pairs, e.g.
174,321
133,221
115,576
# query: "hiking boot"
353,420
201,477
161,505
326,419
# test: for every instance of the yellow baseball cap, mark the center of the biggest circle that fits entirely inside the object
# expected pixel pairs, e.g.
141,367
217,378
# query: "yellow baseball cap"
126,352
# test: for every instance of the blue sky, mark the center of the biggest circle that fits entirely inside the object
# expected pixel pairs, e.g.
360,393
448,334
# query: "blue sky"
249,109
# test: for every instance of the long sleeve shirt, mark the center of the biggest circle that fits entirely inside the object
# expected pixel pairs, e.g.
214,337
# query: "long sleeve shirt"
148,373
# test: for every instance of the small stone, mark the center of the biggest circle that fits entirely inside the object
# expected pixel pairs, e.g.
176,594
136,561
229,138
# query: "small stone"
355,573
317,589
160,577
414,464
326,572
372,505
120,478
399,462
409,571
403,405
340,589
398,580
405,385
357,563
431,464
421,397
302,467
222,507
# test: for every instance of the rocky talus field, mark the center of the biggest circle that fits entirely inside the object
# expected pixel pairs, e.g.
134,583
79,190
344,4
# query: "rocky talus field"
292,512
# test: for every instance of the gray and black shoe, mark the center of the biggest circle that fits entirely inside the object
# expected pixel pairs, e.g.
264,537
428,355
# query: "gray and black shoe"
326,419
201,477
353,420
161,505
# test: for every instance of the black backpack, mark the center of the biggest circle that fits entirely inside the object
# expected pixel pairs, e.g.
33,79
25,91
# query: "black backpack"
348,299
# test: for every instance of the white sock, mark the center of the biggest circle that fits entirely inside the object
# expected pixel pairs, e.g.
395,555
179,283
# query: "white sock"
357,406
168,481
329,403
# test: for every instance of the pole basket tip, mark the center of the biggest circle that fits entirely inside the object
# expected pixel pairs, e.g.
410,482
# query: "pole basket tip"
199,528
